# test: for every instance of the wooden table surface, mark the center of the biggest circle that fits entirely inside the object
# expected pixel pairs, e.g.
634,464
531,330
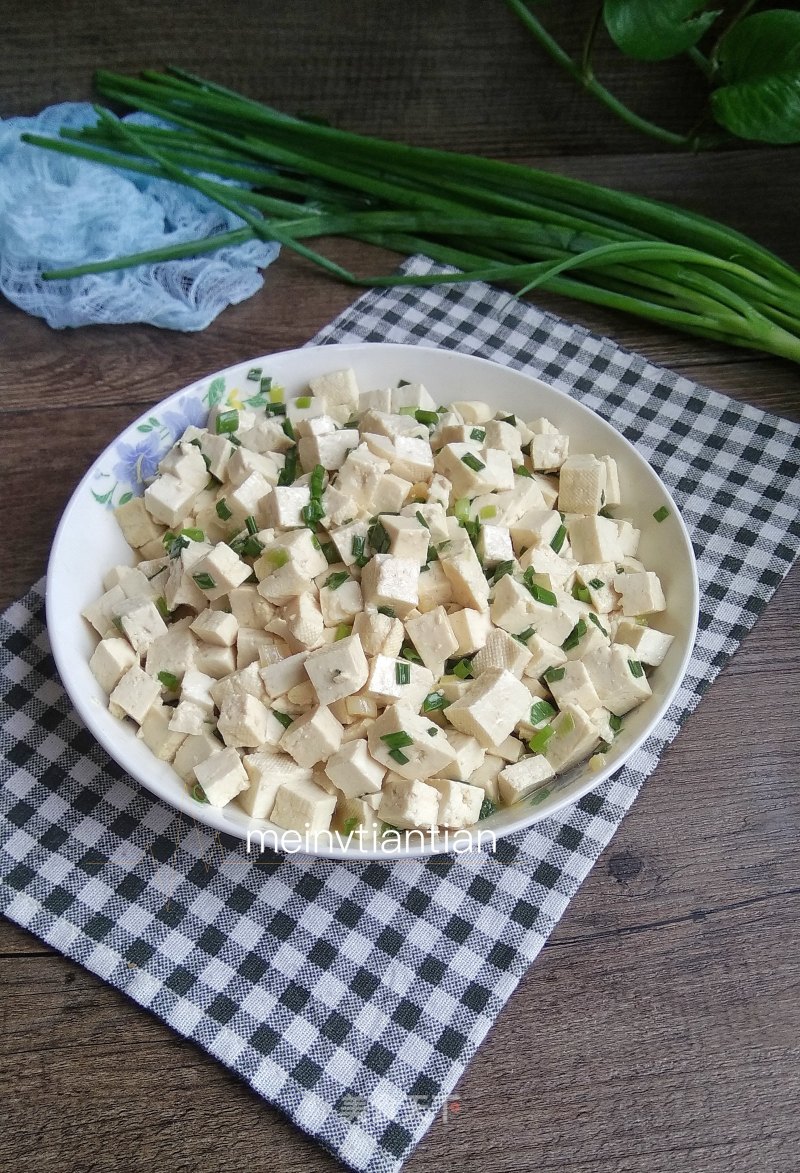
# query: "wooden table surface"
659,1028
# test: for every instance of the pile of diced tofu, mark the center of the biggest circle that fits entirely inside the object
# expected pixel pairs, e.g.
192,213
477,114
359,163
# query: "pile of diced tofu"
356,609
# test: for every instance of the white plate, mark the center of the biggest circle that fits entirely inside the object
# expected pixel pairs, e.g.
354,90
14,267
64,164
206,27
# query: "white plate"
88,543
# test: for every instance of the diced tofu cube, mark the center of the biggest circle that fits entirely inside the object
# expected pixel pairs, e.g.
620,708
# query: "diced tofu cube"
337,508
312,737
219,572
338,670
494,544
391,493
413,459
387,677
501,650
243,721
267,772
136,523
459,804
472,471
487,777
196,687
132,581
350,540
248,607
216,627
582,483
466,577
336,389
412,395
505,438
241,467
618,678
428,751
283,508
434,587
289,568
141,622
512,606
342,604
407,538
387,581
521,778
549,451
222,776
169,500
407,803
589,635
544,655
329,450
134,695
185,462
628,538
380,635
552,571
305,620
574,687
469,755
491,707
470,629
536,527
193,750
354,770
278,678
612,481
378,400
215,660
650,646
598,577
439,491
433,638
575,736
189,718
360,475
110,661
594,539
641,592
157,733
175,651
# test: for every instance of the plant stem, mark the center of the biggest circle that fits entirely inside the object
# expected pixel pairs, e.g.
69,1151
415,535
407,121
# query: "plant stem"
590,83
702,62
740,15
588,45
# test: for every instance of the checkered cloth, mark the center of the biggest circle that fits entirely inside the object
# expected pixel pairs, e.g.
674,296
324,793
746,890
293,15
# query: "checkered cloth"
353,995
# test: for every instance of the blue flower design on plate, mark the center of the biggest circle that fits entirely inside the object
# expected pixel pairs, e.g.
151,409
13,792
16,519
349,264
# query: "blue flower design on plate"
136,463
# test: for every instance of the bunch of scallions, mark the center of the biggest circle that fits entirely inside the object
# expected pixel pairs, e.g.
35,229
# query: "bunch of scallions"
482,219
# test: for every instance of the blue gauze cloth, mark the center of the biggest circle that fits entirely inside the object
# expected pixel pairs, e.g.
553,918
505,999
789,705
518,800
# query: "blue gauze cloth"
57,211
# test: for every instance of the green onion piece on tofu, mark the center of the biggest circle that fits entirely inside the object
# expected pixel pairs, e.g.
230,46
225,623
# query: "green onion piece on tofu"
487,808
501,570
222,510
552,675
421,519
581,594
575,636
351,824
234,440
378,538
330,552
169,680
597,622
271,409
289,471
559,537
227,421
117,621
461,508
162,608
409,409
398,756
605,512
565,725
472,462
357,546
541,594
425,417
463,669
661,514
636,668
251,524
303,402
538,743
284,718
431,556
265,385
509,419
277,557
342,632
596,584
642,620
254,375
316,480
522,471
488,511
397,740
541,711
334,581
194,534
389,611
198,794
403,382
402,672
524,636
432,731
615,722
204,581
478,434
313,512
288,429
434,702
410,654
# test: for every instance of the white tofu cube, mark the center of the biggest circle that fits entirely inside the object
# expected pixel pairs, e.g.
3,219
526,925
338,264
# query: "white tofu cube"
414,395
504,437
215,660
544,655
594,539
618,678
283,508
342,604
491,707
581,486
641,592
137,526
175,651
222,776
521,778
572,685
185,462
337,508
360,475
549,451
110,661
378,400
219,572
243,721
140,620
278,678
157,733
289,568
650,646
387,581
329,450
536,527
434,587
391,494
465,575
472,411
392,680
354,770
575,736
380,635
312,737
413,459
338,670
487,776
169,500
598,578
613,496
135,693
439,491
350,540
494,544
469,755
472,470
501,650
133,582
459,804
470,629
249,608
336,389
193,750
407,538
267,772
216,627
425,752
551,570
189,719
628,537
407,803
304,619
433,638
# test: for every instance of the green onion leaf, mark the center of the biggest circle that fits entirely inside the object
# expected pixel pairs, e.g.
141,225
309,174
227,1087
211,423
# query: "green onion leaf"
501,570
487,808
378,538
636,668
316,480
434,702
509,419
596,584
251,524
575,636
565,726
266,385
421,519
227,421
559,538
597,622
522,471
488,511
288,473
402,672
463,669
351,824
426,417
277,557
541,711
284,718
169,680
541,594
661,514
334,581
205,581
198,794
410,654
581,593
303,402
330,552
524,636
398,756
254,374
196,535
552,675
397,740
357,546
478,434
222,510
472,462
389,611
461,509
161,606
538,743
342,632
275,409
288,429
615,722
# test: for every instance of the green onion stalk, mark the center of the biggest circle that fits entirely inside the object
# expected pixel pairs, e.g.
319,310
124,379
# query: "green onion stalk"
291,180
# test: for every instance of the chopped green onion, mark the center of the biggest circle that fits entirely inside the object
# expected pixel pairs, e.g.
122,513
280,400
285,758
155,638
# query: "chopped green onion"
432,731
539,796
161,606
403,382
522,471
501,570
277,558
198,794
538,743
565,725
196,535
661,514
378,538
581,594
397,740
575,636
541,594
266,385
303,402
316,480
402,672
351,824
227,421
275,409
472,462
596,584
330,552
421,519
487,808
254,374
313,512
642,620
204,581
431,556
636,668
388,611
488,511
461,508
288,473
284,718
408,409
169,680
410,654
605,512
597,622
334,581
615,723
434,702
275,393
222,510
509,419
117,621
342,632
541,711
559,538
524,636
444,545
398,756
251,524
426,417
478,434
463,669
235,441
288,429
553,675
357,546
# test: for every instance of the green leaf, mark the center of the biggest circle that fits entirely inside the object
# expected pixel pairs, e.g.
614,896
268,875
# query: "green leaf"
652,30
216,389
759,62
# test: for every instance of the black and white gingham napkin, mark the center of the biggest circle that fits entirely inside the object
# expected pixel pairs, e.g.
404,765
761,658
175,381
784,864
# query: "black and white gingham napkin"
353,995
